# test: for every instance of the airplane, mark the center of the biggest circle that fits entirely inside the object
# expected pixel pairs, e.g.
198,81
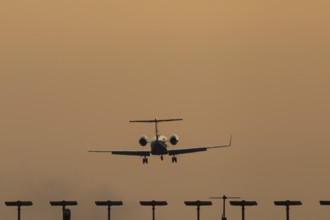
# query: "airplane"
158,144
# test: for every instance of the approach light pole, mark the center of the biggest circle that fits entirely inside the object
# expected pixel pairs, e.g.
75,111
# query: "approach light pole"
153,203
19,204
109,204
224,198
287,204
66,212
198,204
243,203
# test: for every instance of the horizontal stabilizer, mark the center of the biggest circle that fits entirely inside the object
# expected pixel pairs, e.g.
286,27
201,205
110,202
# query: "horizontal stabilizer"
157,120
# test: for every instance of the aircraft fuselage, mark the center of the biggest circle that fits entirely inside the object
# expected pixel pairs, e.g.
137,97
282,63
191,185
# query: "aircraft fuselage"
158,147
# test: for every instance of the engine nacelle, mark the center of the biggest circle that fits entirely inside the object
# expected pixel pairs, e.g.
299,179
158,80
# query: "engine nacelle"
174,139
143,140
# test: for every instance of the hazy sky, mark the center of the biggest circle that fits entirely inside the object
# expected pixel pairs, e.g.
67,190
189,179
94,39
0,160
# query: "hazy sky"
73,73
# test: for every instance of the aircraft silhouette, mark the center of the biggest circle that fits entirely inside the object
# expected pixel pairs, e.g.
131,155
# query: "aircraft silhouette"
158,144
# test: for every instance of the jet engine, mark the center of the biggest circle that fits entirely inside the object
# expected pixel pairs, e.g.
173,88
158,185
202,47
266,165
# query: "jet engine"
174,139
143,140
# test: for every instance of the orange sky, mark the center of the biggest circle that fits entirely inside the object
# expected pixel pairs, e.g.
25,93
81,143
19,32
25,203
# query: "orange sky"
73,73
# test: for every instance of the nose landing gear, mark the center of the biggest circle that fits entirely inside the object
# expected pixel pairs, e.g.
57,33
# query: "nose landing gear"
145,160
174,159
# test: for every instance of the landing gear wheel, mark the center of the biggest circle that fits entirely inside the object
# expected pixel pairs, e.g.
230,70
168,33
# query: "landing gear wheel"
161,157
145,160
174,159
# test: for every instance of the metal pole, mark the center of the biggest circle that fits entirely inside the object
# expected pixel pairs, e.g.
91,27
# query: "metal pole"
198,204
243,212
18,204
287,205
19,212
198,212
109,208
224,198
63,208
153,203
224,207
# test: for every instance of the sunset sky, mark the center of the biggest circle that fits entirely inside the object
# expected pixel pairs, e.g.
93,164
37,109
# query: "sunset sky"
73,73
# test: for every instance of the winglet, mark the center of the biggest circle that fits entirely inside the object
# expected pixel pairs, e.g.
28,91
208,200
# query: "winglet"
89,150
231,137
88,147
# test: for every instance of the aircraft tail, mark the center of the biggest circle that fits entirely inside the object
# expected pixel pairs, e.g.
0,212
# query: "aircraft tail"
156,121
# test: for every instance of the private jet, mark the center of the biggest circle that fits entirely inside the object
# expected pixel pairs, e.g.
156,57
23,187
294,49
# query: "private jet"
159,144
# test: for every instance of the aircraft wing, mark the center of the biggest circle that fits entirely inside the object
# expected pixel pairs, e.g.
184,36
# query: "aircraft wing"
186,151
126,153
195,150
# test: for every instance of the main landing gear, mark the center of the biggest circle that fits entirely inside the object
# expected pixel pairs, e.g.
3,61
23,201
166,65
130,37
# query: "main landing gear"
174,159
145,160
